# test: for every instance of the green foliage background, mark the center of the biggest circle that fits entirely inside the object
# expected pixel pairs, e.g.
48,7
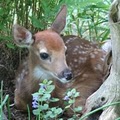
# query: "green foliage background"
86,18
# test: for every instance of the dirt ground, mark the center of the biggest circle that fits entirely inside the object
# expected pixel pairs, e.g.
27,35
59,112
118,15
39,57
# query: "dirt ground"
9,61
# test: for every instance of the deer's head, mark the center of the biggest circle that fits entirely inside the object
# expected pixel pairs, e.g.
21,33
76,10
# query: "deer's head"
47,49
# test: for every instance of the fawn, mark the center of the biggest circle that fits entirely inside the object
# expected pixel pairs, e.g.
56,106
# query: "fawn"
80,68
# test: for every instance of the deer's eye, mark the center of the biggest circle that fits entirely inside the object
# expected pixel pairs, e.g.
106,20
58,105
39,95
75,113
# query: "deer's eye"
44,56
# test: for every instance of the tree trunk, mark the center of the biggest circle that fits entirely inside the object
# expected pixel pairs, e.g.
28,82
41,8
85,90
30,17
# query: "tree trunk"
110,90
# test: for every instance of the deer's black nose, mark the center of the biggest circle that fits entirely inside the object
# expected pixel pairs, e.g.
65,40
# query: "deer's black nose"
67,74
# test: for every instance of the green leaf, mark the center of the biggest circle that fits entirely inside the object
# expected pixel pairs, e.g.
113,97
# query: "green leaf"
1,11
68,106
4,101
36,112
117,118
71,119
10,45
73,91
36,22
78,109
55,112
45,97
60,119
69,93
45,81
50,88
76,94
71,101
105,34
58,111
49,82
36,95
48,114
43,107
54,100
41,91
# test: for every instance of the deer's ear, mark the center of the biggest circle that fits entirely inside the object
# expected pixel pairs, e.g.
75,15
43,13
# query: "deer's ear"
22,37
60,20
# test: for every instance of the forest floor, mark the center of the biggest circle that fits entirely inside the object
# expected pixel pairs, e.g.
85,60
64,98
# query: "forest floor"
9,61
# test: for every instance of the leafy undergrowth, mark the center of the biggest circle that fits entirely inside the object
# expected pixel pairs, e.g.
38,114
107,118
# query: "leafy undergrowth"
42,99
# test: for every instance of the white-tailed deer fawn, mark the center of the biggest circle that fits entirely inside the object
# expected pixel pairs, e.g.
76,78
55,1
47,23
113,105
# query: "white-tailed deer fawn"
47,60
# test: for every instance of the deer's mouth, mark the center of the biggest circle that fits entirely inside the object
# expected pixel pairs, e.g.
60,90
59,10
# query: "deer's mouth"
63,79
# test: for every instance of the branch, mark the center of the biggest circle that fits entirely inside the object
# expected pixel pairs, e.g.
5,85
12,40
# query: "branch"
110,91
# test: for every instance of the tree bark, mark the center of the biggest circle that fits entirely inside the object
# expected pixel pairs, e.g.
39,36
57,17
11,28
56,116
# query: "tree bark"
110,90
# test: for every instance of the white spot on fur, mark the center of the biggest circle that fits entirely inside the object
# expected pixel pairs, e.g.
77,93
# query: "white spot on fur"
75,49
69,40
83,52
96,52
81,47
85,75
92,55
21,76
82,43
74,53
79,52
82,59
99,67
102,59
76,66
75,60
77,46
87,45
